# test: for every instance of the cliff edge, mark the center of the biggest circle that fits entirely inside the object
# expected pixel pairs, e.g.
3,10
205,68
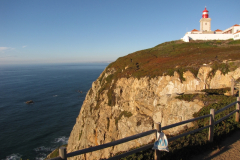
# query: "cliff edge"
139,89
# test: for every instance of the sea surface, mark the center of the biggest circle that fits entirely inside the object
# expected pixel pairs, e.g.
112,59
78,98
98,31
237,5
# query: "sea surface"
31,131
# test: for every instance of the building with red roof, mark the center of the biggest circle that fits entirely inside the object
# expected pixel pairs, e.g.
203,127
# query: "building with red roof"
236,36
232,29
205,32
195,31
218,31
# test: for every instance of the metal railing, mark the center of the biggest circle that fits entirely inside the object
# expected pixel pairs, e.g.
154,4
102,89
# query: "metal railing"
63,155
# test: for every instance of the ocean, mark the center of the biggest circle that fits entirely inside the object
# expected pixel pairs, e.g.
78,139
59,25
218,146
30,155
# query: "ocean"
32,131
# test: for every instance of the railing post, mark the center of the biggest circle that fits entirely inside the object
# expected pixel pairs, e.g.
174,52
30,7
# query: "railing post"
232,87
211,128
63,153
157,152
237,108
239,90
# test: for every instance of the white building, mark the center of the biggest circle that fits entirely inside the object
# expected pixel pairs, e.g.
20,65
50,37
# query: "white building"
236,35
206,33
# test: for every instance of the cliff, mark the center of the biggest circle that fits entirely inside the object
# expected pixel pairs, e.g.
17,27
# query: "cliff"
139,89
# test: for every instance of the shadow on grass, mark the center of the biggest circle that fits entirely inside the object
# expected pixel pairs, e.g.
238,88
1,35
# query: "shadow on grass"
224,146
197,152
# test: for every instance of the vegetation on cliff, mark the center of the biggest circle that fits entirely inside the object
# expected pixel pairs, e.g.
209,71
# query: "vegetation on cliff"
170,57
179,56
164,59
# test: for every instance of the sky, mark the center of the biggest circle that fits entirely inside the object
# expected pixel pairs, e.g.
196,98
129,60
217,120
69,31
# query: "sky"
73,31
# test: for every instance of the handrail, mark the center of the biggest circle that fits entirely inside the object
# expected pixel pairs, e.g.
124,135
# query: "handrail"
126,139
226,107
183,122
185,134
91,149
225,117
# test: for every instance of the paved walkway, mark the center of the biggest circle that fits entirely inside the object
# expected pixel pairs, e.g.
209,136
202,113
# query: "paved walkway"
228,150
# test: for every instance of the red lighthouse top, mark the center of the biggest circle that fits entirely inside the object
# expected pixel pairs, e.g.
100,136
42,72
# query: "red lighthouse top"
205,13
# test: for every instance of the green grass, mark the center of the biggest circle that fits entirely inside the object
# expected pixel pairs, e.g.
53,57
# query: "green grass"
187,97
220,91
234,42
223,67
157,60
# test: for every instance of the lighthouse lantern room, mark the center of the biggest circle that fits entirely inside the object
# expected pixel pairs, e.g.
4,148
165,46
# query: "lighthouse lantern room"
205,13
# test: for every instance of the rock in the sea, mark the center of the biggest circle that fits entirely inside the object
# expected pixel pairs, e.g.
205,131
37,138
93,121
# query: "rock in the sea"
29,102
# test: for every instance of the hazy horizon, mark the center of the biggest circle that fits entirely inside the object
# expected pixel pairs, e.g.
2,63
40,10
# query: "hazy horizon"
60,31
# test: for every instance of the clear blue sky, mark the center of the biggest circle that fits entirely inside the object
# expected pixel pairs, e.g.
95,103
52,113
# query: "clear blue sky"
63,31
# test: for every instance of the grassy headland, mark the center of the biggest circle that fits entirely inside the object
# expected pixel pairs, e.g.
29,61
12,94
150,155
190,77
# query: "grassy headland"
168,57
175,55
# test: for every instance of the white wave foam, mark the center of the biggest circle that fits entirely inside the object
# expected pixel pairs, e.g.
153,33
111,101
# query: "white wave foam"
62,140
42,148
41,156
42,151
55,95
14,157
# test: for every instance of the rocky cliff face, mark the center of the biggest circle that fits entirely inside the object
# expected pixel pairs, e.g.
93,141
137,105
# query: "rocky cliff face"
138,104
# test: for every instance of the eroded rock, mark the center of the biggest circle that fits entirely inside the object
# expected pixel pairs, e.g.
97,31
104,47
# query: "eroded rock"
148,101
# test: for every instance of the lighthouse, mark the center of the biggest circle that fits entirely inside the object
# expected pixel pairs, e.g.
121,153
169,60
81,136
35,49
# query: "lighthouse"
205,32
205,22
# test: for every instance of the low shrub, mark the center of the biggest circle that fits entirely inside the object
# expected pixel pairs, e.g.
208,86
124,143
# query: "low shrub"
123,113
223,67
217,91
234,42
186,97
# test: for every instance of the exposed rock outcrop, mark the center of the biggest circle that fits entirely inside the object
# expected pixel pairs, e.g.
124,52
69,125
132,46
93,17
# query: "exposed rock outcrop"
138,104
29,102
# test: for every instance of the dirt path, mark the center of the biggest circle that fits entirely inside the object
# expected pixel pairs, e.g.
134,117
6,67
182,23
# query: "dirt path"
229,149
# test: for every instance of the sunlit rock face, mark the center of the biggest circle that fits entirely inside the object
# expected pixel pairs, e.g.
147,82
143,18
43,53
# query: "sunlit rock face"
138,104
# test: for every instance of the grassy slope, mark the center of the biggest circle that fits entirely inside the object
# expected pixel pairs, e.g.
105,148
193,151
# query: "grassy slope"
160,59
168,57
